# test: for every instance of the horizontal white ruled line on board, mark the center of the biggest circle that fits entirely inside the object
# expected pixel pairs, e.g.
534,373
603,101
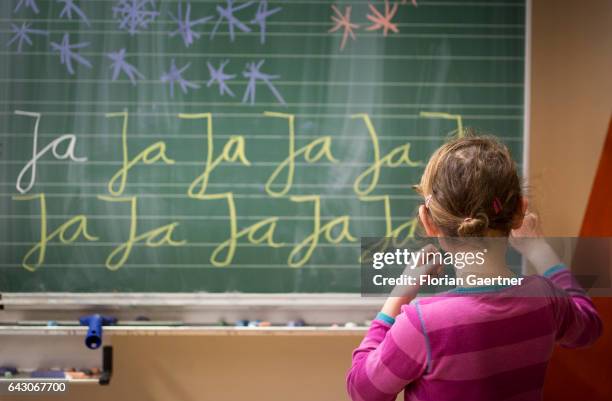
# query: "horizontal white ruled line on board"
282,83
161,21
370,35
355,244
201,137
429,107
187,184
178,163
352,57
420,3
465,84
185,196
195,217
187,266
297,115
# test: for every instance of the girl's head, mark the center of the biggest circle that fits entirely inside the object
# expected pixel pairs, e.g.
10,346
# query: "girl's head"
471,189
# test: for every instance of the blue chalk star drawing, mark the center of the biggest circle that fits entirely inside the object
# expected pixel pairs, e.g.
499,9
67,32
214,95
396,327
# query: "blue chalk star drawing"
22,35
253,73
69,8
135,14
185,24
175,75
220,77
120,65
27,4
261,16
228,14
67,54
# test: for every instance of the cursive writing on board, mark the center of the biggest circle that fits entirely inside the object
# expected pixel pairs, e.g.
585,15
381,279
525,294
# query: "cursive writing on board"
262,232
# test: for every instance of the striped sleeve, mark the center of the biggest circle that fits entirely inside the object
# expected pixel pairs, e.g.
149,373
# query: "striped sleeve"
389,357
578,323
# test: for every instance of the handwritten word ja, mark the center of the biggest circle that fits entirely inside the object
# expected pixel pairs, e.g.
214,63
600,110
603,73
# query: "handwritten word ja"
153,238
233,151
397,157
313,152
309,244
77,223
150,155
54,146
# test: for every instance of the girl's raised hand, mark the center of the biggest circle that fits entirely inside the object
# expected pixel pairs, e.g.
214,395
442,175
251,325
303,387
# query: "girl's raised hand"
529,240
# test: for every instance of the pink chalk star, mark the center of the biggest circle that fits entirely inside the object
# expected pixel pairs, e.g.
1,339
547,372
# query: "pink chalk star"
343,21
380,21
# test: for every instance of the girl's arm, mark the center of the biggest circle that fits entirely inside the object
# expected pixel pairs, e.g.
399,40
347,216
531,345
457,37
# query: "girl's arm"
394,350
392,354
578,323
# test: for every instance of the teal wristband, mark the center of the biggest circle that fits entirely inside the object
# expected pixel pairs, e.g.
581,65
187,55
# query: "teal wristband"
554,269
385,318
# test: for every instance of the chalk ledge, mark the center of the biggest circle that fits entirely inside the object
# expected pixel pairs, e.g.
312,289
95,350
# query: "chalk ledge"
185,330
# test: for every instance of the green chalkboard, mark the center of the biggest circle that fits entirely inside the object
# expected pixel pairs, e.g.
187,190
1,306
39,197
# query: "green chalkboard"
151,146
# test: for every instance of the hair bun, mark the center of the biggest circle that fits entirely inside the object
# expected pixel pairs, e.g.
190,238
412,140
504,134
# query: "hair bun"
473,226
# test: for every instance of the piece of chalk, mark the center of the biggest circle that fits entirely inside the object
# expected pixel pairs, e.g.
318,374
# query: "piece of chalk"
265,324
296,323
350,324
242,323
254,323
48,374
76,375
9,369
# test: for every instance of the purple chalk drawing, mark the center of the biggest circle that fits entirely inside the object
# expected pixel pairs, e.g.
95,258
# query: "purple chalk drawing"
22,34
69,8
175,75
261,16
253,73
135,14
67,54
27,4
228,14
120,65
220,77
185,25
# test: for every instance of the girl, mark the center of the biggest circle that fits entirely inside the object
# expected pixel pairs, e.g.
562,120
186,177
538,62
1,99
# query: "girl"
475,343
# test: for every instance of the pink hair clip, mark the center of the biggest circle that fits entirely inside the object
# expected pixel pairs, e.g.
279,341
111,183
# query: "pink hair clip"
427,201
497,205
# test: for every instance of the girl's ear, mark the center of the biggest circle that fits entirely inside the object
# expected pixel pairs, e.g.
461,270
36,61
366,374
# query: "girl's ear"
430,228
519,215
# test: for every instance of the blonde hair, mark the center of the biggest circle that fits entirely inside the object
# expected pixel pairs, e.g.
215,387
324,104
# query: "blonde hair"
471,185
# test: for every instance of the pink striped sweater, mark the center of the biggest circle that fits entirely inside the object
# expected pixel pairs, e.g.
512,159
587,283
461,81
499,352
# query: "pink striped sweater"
480,344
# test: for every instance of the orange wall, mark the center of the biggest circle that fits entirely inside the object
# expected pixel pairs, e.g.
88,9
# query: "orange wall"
571,109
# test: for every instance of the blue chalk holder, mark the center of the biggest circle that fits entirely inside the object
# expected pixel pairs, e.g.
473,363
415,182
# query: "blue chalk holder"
93,339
